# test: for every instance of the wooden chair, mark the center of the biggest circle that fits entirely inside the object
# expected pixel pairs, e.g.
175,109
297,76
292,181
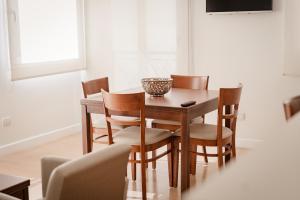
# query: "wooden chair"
291,107
184,82
141,139
93,87
218,135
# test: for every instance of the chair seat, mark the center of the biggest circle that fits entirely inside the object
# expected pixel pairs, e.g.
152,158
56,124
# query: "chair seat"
198,120
159,121
132,135
98,125
207,132
176,123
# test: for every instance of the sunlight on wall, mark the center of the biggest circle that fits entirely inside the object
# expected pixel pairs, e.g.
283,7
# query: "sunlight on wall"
144,40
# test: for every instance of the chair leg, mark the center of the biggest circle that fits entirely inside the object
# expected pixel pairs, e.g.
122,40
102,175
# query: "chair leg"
170,164
175,151
193,161
233,148
228,157
204,147
146,158
154,161
91,132
133,166
205,154
153,152
143,174
220,156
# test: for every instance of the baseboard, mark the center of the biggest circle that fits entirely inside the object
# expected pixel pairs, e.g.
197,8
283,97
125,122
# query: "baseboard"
247,143
39,139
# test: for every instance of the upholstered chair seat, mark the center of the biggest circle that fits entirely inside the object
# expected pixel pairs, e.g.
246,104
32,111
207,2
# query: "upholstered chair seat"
198,120
132,135
207,132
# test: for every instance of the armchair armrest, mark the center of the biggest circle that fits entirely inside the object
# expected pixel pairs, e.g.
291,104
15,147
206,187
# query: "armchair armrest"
48,164
7,197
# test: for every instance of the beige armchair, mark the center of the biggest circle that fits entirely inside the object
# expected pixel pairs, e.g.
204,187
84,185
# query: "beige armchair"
98,175
6,197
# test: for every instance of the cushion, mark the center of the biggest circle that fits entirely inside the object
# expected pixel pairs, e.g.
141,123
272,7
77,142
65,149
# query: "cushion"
132,135
176,123
198,120
97,124
207,132
159,121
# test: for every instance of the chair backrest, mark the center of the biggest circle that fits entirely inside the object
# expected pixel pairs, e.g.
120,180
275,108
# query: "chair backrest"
190,82
122,104
229,100
94,86
97,175
291,107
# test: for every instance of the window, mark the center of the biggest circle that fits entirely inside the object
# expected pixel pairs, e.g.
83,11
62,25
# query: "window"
46,37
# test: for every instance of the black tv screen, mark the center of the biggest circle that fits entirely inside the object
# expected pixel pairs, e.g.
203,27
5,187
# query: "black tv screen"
238,5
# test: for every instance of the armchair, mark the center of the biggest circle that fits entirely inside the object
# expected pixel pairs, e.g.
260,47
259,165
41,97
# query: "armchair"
97,175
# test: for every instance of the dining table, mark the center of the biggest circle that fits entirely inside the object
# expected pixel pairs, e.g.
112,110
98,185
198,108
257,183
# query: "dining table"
167,107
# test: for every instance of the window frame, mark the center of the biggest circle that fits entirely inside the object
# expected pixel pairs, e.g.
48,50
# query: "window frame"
30,70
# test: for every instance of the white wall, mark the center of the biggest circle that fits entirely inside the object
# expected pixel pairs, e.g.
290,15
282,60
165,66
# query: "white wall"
98,38
38,105
247,48
292,44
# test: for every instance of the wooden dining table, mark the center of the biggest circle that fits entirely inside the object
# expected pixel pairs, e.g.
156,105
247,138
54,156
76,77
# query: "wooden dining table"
167,107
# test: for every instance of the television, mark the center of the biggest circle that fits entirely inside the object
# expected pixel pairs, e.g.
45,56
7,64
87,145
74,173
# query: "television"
238,5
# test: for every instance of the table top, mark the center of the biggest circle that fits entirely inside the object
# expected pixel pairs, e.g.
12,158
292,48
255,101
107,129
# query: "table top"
172,99
7,182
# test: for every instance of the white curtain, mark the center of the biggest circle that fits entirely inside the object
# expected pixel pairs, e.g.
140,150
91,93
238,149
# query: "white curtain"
144,36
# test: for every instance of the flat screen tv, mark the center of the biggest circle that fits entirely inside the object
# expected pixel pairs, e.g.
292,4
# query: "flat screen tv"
238,5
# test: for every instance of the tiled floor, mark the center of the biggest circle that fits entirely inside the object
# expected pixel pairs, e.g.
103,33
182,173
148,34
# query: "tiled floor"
27,164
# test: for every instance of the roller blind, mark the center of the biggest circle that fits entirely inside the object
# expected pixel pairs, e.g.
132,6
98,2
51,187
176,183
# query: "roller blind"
46,37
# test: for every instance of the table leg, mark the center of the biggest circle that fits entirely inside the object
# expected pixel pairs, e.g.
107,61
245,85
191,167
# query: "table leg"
86,130
185,152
